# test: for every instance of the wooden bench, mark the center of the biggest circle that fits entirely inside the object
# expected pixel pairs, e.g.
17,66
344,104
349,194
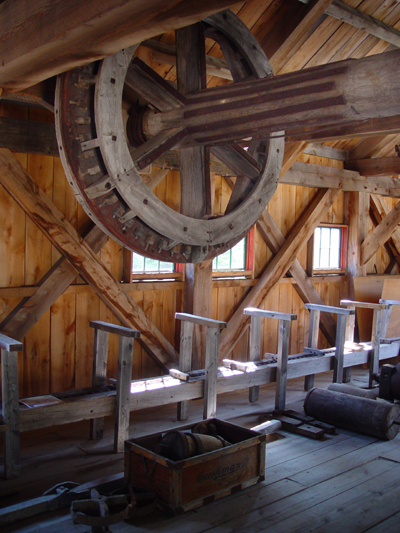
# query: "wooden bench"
9,406
283,350
82,406
211,360
315,313
377,333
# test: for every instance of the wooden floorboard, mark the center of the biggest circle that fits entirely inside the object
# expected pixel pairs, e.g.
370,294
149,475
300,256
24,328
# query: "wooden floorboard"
342,483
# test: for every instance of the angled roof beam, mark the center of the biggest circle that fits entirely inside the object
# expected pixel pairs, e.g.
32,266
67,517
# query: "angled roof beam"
70,244
341,11
40,39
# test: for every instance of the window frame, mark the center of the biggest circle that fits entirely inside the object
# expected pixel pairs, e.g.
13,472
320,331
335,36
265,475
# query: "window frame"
248,271
178,273
311,271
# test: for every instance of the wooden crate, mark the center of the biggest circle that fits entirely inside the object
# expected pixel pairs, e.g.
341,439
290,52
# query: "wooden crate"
184,485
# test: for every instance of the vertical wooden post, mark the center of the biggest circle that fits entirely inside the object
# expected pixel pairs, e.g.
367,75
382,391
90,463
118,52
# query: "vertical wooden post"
255,352
375,344
356,216
315,316
211,369
122,411
197,301
281,370
339,353
9,349
99,375
185,362
350,325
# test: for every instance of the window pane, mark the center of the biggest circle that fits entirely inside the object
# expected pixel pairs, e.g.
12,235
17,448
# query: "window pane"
233,259
324,258
317,246
137,263
223,261
151,265
165,266
334,258
238,256
141,265
327,243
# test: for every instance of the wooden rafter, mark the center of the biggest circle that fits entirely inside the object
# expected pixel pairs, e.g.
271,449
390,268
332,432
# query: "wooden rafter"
376,166
362,21
25,315
380,211
63,236
304,287
380,234
278,266
41,39
299,35
308,175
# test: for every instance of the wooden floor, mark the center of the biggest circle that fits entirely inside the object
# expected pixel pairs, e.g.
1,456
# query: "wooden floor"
343,483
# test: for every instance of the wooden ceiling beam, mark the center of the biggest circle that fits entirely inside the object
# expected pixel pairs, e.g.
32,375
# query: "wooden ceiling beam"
362,21
365,128
376,166
308,175
277,267
41,39
166,53
322,150
68,242
299,35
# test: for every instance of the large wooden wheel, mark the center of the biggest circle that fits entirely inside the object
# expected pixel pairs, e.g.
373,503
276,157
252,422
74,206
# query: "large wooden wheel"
102,166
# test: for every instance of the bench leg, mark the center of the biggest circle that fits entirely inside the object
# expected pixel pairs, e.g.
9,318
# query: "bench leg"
10,412
122,411
99,377
211,370
281,370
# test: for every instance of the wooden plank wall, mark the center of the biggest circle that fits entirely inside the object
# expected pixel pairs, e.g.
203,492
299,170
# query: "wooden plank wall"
58,350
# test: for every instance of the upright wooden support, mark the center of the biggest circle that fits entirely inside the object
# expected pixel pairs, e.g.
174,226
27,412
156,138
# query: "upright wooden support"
339,353
211,358
315,316
10,407
255,352
340,335
283,349
281,370
124,377
386,314
379,311
185,361
99,374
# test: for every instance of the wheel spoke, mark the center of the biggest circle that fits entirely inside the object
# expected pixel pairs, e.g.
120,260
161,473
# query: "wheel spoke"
156,146
157,91
238,160
195,161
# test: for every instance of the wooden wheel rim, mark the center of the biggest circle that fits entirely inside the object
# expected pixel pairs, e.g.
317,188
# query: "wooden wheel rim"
200,238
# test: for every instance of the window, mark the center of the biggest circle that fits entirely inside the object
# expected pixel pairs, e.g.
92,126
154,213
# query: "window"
145,265
238,260
329,248
233,259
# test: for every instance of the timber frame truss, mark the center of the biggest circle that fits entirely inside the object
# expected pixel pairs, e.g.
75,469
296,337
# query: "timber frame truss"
79,250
